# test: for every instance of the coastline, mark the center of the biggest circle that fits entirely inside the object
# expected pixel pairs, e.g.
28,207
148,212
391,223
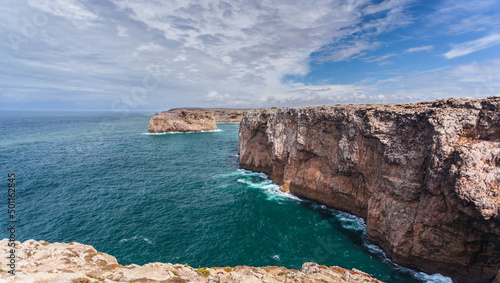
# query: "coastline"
373,161
75,262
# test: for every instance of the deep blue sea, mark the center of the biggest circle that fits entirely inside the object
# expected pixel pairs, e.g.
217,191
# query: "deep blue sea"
98,178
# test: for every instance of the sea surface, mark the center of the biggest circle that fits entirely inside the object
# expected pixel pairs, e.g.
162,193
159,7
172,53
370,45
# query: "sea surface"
98,178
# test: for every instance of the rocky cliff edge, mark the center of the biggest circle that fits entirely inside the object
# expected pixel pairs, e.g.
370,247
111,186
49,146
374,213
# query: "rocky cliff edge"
425,176
40,262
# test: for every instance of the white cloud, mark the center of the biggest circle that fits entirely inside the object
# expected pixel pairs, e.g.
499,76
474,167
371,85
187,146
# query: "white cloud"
469,80
232,53
466,48
348,51
383,58
215,96
149,47
475,23
122,32
70,9
380,58
385,5
251,45
460,17
419,49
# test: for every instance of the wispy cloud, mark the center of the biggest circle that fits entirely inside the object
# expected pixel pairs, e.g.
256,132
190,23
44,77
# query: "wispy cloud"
222,53
456,17
469,47
70,9
383,58
228,49
419,49
469,80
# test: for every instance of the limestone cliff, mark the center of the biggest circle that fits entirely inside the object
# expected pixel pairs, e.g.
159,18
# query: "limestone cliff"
222,115
425,176
39,261
186,121
229,115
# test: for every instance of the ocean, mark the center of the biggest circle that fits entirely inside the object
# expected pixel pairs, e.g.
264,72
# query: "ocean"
100,179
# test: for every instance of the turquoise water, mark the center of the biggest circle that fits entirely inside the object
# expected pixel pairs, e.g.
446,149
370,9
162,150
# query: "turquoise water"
99,179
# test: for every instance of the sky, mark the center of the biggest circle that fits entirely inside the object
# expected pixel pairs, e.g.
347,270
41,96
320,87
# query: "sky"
159,54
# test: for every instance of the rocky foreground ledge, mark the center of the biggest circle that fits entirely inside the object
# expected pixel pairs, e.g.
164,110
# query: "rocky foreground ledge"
40,262
425,176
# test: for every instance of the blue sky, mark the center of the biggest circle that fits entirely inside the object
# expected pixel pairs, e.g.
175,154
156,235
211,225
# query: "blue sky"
159,54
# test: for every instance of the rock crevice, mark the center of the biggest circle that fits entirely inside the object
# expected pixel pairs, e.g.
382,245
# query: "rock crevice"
425,176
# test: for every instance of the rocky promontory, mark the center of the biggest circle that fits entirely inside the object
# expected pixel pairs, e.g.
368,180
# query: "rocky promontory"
229,115
425,176
222,115
185,121
39,261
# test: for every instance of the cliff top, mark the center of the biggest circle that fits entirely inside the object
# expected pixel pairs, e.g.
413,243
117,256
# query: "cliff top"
221,114
184,121
464,103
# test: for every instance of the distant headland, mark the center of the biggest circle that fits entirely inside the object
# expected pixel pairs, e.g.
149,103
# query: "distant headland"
193,119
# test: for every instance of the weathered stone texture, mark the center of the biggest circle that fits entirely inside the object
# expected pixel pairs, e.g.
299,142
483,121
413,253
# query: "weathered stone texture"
425,176
39,261
186,121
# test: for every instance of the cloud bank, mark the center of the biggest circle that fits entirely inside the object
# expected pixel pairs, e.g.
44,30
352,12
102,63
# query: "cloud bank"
150,54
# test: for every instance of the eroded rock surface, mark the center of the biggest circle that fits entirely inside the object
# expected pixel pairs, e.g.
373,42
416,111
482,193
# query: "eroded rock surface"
229,115
425,176
186,121
222,115
40,262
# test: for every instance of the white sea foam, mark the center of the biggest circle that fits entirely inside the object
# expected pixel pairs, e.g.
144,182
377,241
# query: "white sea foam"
169,133
129,239
347,221
352,222
271,189
434,278
429,278
374,249
136,238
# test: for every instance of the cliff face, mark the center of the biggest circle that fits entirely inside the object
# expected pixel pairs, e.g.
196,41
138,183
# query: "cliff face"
229,115
425,176
186,121
74,262
222,115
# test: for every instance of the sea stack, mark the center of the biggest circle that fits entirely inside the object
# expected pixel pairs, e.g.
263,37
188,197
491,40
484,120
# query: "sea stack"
186,121
425,176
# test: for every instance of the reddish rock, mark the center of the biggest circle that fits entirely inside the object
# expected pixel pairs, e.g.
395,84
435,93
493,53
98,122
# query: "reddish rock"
186,121
222,115
70,263
425,176
171,112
